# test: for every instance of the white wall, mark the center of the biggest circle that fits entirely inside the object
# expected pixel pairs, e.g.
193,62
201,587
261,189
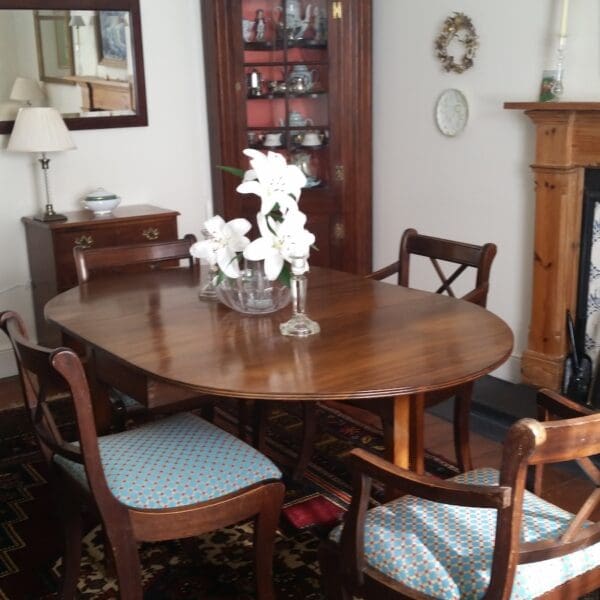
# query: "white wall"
476,187
165,164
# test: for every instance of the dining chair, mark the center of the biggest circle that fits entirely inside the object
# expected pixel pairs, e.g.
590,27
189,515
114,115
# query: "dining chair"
480,534
128,387
175,477
464,258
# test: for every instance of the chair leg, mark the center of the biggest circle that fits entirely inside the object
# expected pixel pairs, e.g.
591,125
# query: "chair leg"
462,411
243,418
265,528
207,411
332,581
72,554
260,417
309,434
127,561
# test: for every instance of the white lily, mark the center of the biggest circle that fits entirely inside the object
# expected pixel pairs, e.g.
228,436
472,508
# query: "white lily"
223,242
280,241
273,180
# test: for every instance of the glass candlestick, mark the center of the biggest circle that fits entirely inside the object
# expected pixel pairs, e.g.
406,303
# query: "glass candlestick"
208,290
557,86
300,325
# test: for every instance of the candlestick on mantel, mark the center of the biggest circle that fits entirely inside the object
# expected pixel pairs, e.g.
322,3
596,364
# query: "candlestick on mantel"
564,18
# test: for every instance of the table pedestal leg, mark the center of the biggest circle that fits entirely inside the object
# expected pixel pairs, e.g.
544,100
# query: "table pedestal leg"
403,431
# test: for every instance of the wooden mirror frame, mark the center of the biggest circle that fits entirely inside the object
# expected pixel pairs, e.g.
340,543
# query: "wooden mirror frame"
140,118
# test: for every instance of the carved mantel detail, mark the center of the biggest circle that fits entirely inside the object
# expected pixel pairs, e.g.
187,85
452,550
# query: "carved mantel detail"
567,142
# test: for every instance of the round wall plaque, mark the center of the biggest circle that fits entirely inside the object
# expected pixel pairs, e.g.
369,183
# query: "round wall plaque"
451,112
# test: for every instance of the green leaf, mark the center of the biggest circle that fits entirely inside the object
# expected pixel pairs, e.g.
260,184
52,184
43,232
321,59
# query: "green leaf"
233,170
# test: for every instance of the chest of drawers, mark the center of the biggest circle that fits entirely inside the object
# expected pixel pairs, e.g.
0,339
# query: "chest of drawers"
50,249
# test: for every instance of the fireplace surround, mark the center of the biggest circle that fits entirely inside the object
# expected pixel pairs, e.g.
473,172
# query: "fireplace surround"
567,142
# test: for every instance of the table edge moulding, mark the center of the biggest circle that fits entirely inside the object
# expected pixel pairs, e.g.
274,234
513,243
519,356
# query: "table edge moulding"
50,249
567,142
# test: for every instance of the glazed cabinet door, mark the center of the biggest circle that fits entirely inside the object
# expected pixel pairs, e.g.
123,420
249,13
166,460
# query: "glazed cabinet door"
293,76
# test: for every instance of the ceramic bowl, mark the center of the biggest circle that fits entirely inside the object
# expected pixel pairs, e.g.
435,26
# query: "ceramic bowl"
101,206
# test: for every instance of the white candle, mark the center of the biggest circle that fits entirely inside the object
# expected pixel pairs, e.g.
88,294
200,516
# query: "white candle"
564,17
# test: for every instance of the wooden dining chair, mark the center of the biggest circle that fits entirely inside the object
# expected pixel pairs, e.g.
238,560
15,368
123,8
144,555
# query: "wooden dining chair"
134,391
478,535
464,258
175,477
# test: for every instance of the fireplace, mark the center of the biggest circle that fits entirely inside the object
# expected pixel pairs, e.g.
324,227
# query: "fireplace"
567,143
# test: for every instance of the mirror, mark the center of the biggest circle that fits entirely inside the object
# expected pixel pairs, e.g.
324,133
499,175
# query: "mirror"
83,57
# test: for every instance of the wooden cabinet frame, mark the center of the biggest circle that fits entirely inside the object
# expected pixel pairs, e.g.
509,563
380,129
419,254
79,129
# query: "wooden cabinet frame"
349,191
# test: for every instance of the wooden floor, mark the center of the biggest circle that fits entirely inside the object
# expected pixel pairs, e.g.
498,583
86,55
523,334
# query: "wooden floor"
565,487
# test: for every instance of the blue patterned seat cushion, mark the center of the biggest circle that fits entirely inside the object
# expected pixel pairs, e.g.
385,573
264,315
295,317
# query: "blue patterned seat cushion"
177,461
446,551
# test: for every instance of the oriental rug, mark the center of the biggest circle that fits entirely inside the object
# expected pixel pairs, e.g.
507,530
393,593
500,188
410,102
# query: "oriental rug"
214,566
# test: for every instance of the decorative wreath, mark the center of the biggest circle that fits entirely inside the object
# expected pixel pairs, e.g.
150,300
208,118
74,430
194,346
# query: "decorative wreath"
458,22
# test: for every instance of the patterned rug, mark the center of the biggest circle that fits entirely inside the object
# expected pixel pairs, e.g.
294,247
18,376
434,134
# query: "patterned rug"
214,566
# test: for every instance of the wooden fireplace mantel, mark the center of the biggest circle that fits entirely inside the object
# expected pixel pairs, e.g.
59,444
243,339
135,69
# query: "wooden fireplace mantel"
567,142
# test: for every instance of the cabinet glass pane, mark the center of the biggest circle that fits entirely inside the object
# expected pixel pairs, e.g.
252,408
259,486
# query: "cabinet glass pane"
287,81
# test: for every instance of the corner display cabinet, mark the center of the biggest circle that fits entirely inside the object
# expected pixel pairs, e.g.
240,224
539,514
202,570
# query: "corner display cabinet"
294,76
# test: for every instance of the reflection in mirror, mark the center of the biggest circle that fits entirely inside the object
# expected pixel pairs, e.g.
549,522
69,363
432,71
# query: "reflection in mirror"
82,62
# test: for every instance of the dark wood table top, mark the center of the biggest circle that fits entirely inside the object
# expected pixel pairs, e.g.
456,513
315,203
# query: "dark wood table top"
376,340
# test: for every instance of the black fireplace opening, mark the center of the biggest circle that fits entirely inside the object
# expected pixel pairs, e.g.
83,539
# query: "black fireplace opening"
581,381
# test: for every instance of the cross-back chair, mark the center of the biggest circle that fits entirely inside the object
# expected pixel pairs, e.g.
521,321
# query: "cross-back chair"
463,256
175,477
478,535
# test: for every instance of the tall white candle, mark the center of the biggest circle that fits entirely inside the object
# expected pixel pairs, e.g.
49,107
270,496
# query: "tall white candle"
564,18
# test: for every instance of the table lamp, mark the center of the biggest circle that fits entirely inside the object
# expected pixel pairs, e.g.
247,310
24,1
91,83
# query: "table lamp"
41,130
27,90
76,22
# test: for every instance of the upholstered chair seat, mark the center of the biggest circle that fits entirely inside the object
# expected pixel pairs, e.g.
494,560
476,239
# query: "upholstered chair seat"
446,551
175,461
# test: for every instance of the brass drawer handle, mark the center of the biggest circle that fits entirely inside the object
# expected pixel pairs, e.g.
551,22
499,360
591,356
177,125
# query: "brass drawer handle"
85,241
151,233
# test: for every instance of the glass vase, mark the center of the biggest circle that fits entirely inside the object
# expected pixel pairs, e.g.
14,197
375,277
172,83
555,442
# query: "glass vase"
300,325
208,291
252,293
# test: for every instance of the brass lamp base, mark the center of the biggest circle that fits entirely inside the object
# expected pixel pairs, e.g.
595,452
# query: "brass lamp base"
50,215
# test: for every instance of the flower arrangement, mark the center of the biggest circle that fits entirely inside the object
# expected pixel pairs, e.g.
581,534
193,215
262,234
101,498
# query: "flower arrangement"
283,238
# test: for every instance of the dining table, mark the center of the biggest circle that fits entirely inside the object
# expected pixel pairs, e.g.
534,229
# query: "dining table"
377,340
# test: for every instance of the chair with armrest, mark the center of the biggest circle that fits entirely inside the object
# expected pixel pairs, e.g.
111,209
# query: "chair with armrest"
464,257
175,477
132,388
480,534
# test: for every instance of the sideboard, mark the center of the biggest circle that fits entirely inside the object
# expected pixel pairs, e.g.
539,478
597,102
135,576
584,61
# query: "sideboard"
50,249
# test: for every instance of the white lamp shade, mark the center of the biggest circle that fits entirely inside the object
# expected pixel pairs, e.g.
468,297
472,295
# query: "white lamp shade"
39,130
76,21
25,90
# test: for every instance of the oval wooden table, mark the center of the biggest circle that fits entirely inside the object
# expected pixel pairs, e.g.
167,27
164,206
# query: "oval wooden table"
377,340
